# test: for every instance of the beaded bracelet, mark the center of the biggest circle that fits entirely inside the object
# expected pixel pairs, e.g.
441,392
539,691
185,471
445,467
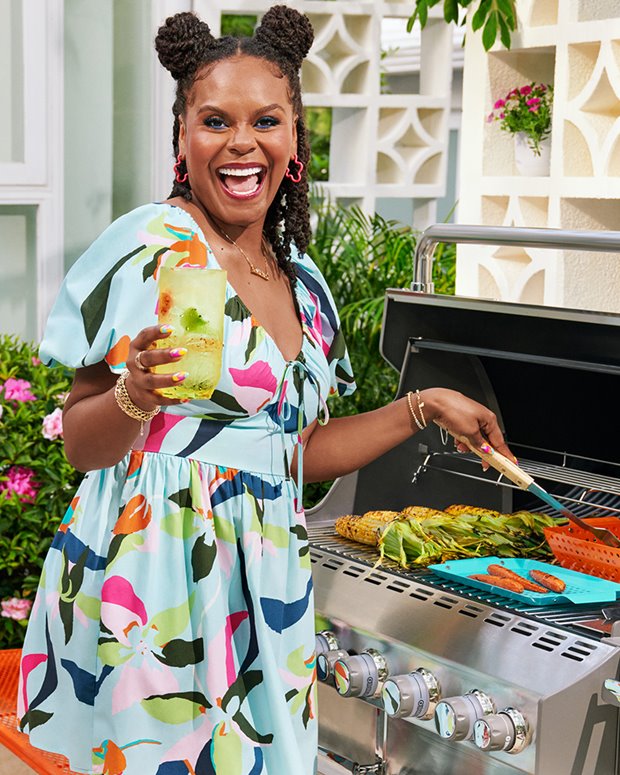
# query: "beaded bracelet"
123,399
421,425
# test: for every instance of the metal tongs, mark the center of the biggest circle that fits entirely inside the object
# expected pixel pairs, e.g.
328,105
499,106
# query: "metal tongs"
525,482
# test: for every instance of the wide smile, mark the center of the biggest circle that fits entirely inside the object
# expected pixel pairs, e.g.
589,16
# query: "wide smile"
242,182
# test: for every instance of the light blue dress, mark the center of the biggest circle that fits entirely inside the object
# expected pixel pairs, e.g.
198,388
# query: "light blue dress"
173,632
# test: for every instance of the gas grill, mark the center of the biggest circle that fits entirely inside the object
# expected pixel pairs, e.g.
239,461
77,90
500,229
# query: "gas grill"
435,677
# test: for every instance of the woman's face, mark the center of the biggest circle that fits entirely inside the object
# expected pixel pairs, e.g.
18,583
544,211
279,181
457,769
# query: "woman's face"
238,135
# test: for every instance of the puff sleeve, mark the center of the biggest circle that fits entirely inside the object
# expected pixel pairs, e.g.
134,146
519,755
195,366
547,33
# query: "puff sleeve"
110,293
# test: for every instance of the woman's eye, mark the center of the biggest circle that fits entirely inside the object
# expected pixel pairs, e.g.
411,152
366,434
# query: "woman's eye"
267,121
213,122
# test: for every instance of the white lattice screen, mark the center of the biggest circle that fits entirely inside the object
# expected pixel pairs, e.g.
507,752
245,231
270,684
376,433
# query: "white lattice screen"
574,44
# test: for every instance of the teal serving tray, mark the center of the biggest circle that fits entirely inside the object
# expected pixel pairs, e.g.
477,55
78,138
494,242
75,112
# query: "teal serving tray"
580,587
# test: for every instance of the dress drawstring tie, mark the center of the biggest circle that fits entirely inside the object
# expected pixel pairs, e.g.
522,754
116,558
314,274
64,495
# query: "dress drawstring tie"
298,373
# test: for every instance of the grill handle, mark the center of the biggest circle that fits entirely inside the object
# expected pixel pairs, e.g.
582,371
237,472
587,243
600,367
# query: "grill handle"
604,241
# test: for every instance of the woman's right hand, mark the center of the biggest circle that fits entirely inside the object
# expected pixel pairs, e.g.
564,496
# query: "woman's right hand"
142,384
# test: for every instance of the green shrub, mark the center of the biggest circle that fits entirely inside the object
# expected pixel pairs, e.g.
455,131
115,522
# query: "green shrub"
36,481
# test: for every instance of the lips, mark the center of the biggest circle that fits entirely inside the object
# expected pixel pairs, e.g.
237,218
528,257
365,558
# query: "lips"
242,182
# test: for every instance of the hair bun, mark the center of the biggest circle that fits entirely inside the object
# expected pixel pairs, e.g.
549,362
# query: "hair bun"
285,29
180,42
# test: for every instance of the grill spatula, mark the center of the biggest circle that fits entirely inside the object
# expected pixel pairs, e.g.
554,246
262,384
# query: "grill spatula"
525,482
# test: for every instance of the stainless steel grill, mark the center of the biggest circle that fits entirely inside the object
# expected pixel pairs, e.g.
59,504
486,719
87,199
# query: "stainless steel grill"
545,677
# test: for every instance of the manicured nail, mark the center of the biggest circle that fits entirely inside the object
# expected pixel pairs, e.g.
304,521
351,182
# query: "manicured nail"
486,448
166,329
515,461
178,352
179,376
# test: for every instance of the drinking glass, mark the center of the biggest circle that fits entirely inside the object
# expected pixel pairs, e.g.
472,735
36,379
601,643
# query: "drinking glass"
191,300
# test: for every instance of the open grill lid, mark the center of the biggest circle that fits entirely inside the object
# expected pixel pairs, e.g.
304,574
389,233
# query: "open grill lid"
552,375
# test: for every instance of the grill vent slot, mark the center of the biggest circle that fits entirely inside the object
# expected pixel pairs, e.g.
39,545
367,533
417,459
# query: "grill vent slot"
497,619
446,602
398,586
333,564
523,628
471,610
421,594
354,571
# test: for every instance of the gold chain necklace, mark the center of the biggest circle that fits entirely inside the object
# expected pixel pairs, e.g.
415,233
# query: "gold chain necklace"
264,275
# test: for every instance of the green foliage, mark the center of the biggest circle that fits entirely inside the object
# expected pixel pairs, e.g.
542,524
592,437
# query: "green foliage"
360,256
238,25
319,123
27,526
492,15
526,109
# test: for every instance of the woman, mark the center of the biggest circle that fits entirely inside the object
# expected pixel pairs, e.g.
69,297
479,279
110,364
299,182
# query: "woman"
173,629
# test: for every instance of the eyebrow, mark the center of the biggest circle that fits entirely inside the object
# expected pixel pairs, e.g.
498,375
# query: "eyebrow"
215,109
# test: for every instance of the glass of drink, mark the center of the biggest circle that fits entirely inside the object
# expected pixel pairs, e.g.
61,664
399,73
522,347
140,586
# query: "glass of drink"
191,300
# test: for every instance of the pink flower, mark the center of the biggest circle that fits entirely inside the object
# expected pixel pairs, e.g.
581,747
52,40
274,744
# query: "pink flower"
499,104
52,425
16,608
20,480
525,90
490,117
17,390
502,115
533,101
35,361
512,93
533,109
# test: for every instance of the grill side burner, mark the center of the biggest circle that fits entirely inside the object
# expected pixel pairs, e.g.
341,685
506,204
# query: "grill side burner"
533,367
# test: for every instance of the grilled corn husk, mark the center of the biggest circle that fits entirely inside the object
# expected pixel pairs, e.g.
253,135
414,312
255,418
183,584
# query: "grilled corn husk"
420,536
365,528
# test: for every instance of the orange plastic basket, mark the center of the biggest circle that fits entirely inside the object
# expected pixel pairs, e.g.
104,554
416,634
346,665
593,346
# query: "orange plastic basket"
577,549
40,761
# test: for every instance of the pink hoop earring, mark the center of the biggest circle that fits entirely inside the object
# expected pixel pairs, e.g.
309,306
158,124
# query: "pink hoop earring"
300,168
177,173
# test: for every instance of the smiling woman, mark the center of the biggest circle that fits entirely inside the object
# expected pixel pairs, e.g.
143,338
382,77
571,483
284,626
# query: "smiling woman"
172,633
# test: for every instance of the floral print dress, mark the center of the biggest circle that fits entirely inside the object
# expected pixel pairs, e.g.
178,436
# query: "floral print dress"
172,632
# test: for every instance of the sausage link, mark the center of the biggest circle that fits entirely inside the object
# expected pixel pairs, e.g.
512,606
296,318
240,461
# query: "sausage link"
497,581
505,573
547,580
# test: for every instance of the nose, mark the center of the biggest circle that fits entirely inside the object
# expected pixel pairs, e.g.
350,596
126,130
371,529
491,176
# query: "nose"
242,139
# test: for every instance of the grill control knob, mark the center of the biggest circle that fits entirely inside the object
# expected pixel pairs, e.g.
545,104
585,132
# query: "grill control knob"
507,731
361,675
413,695
325,664
325,641
455,716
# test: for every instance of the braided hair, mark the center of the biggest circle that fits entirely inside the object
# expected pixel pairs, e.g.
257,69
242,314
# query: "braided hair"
185,47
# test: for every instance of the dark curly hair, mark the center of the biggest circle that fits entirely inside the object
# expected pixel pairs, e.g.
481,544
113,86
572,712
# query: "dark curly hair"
186,47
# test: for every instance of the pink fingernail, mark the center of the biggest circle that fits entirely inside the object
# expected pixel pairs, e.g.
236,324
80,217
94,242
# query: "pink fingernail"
179,376
178,352
166,329
486,448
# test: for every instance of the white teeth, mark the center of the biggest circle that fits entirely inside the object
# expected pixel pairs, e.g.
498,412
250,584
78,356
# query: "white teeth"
240,173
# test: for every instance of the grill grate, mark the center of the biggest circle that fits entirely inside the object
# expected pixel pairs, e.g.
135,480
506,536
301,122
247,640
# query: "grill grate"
322,537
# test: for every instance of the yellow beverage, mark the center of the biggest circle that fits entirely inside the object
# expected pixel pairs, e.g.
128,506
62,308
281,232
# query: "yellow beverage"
191,300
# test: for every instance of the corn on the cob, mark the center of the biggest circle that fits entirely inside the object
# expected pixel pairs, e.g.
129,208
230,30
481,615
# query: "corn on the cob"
458,509
364,529
421,512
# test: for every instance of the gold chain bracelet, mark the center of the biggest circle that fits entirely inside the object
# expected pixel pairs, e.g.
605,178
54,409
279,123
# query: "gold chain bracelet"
421,425
123,399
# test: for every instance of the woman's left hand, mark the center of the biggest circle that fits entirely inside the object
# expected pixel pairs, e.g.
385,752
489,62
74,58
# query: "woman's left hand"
461,416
